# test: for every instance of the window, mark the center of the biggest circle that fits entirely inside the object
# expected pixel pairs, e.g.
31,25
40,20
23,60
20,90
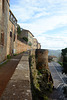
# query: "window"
14,37
2,38
3,6
11,34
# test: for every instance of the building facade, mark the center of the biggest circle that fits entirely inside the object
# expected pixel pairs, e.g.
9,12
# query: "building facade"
27,34
8,33
39,46
35,43
12,34
8,30
4,12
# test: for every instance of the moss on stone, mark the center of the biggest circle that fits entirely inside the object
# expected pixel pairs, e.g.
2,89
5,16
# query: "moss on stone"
42,82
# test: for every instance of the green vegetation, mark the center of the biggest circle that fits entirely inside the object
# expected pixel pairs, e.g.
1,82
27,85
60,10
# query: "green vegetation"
60,63
18,29
8,56
25,39
18,53
64,54
15,54
30,44
45,98
65,91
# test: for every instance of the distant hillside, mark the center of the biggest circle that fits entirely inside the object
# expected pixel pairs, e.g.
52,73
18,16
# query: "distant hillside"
56,53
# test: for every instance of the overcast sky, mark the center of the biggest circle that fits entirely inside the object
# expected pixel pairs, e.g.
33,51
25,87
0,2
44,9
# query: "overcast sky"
46,19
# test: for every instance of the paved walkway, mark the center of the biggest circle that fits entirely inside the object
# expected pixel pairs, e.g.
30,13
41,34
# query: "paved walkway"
18,87
7,70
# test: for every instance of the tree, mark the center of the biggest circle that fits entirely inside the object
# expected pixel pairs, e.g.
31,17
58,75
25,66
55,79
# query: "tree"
25,39
18,29
64,54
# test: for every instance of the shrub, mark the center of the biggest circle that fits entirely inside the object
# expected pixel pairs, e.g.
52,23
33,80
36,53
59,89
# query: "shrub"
30,44
18,29
8,56
25,39
15,54
45,98
65,90
60,63
64,54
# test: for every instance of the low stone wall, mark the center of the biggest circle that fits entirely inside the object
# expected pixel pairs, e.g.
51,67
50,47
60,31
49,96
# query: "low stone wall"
22,47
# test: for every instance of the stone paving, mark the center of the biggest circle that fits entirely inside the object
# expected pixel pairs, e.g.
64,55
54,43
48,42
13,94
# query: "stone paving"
18,87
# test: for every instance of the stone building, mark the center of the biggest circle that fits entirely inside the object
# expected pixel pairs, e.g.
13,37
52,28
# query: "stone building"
54,58
9,44
8,30
39,46
27,34
31,40
35,43
12,34
4,18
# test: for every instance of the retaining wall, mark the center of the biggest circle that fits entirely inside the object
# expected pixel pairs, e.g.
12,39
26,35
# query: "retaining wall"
22,47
